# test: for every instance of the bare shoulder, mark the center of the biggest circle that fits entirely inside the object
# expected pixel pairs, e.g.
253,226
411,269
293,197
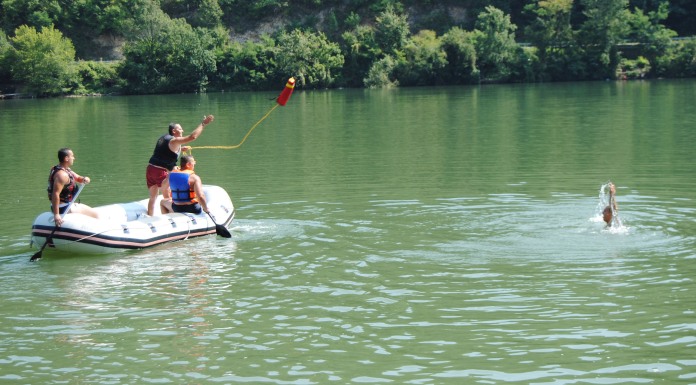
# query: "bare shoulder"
175,142
61,176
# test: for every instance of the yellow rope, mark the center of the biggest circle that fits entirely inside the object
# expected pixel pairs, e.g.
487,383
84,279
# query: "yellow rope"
245,136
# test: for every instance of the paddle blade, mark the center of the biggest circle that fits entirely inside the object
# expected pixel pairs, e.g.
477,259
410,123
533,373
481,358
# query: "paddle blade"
36,256
222,231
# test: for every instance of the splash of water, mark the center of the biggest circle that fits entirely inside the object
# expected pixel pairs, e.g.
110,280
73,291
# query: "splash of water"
615,226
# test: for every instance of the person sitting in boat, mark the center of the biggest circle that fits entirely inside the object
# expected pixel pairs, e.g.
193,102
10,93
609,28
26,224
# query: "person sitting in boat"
62,187
165,155
186,190
612,208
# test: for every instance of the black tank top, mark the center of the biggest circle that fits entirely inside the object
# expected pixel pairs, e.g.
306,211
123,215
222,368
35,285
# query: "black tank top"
162,156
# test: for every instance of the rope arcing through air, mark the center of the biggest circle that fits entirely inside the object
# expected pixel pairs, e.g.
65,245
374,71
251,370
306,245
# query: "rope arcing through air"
245,136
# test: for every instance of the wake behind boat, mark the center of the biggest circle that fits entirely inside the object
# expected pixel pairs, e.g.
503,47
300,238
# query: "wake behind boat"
124,226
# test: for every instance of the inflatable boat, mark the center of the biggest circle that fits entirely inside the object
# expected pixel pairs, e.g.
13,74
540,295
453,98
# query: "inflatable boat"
126,226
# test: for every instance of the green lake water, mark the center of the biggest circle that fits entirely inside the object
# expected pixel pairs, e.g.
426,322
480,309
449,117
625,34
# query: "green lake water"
404,236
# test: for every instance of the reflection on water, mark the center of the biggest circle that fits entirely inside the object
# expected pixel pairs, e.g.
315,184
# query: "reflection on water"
467,248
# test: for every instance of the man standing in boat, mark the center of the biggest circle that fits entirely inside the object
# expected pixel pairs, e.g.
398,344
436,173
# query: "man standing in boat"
62,187
165,155
186,190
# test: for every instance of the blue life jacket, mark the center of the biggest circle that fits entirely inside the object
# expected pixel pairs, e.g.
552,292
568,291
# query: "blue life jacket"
182,191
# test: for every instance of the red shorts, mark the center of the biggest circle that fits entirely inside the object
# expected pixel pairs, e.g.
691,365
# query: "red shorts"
155,175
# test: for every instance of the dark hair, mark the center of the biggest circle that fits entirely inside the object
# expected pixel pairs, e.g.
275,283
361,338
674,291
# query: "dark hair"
184,160
172,126
62,153
607,215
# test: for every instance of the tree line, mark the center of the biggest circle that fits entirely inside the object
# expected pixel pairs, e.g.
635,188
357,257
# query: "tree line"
174,46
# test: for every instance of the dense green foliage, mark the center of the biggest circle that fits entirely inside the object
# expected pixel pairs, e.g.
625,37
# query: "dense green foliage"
43,61
52,47
168,55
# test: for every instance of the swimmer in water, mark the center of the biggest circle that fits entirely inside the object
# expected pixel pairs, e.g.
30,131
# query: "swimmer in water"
612,208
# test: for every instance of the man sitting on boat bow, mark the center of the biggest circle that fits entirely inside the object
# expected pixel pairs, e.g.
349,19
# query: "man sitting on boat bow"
186,190
62,187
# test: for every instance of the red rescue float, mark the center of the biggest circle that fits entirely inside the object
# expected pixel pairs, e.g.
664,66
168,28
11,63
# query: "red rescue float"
287,91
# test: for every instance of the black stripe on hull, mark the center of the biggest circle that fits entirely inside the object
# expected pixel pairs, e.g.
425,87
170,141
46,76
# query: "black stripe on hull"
117,242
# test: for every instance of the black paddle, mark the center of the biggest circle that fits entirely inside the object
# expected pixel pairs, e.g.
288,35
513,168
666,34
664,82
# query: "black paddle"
48,239
220,229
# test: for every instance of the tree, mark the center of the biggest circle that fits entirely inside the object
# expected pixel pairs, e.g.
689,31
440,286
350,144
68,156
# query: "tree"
309,56
647,30
5,75
424,61
145,52
190,57
550,27
551,33
391,31
96,77
682,60
360,51
33,13
495,44
380,74
604,28
166,55
43,61
208,15
198,13
459,48
246,66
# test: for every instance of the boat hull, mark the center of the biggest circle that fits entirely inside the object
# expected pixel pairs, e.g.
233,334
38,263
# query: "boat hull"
125,226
